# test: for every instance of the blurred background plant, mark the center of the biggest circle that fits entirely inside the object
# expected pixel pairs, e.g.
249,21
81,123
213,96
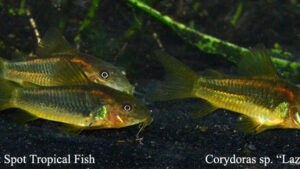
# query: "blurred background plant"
125,34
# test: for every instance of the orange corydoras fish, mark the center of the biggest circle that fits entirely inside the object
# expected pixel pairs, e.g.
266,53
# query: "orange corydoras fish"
89,106
52,50
264,100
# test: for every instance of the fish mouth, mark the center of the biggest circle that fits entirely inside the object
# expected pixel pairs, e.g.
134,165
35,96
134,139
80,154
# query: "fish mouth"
131,90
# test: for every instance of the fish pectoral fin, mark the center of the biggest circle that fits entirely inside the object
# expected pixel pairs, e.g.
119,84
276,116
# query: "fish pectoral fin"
54,43
69,73
203,109
262,128
23,117
257,63
179,81
248,125
71,129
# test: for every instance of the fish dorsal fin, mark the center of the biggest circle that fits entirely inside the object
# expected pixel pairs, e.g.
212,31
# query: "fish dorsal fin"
213,73
203,109
18,55
54,43
69,73
257,63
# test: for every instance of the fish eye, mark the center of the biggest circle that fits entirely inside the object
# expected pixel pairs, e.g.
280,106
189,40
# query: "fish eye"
104,74
127,107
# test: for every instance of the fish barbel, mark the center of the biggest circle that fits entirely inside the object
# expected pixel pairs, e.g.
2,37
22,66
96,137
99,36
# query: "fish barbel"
264,100
52,50
89,106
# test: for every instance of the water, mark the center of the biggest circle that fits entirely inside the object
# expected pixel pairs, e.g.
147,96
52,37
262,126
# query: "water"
123,35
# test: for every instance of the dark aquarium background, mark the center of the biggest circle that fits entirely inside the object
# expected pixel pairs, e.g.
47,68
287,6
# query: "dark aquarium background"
121,33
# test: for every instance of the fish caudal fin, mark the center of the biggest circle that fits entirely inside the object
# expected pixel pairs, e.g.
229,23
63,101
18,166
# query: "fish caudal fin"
179,80
7,90
2,62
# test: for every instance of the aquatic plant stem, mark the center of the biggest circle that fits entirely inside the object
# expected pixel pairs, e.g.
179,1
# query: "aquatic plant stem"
210,44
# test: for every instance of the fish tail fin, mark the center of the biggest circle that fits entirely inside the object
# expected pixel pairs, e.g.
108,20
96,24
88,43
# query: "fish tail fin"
7,94
179,82
2,62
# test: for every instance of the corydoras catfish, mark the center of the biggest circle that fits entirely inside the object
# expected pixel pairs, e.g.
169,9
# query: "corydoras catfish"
86,106
51,51
264,100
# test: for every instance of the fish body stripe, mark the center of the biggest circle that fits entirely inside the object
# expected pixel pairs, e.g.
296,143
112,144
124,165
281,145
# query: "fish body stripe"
70,105
253,98
37,71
